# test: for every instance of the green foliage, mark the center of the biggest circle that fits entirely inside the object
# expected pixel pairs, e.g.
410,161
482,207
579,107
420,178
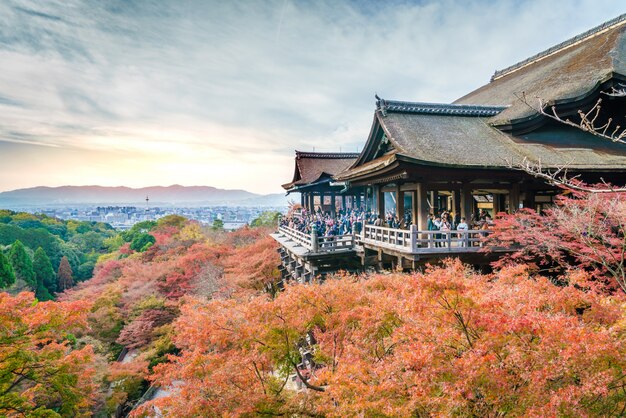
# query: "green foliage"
138,229
142,242
113,243
44,274
266,219
218,225
176,221
22,264
7,276
32,238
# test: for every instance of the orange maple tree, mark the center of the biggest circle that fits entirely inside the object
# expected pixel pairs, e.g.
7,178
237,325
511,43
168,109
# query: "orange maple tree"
445,342
42,371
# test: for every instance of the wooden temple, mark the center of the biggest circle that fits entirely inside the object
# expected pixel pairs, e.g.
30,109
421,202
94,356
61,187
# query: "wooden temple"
426,157
313,179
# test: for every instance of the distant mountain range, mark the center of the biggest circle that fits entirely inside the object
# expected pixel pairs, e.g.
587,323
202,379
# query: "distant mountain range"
175,195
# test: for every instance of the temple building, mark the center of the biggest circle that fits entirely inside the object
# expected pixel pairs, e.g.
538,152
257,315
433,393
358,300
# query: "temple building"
313,179
420,158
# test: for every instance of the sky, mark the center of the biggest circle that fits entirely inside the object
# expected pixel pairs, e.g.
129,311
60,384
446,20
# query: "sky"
221,93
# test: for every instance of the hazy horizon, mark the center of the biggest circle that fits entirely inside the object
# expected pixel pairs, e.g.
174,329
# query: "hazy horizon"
222,93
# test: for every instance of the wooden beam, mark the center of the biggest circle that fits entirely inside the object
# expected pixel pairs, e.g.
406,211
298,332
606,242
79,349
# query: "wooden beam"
421,204
399,204
514,198
467,202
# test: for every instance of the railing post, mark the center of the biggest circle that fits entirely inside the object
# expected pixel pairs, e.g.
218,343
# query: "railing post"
449,240
431,236
413,238
466,238
314,241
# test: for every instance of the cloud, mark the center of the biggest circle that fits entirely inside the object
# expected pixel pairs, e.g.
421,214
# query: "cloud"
230,89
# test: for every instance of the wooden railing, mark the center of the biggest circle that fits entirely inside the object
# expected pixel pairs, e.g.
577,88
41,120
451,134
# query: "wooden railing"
297,236
415,241
403,240
317,244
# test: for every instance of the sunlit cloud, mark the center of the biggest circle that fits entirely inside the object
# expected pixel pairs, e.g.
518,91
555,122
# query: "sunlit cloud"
221,93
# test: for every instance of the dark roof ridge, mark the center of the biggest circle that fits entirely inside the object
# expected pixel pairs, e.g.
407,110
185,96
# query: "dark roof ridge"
338,155
437,108
619,20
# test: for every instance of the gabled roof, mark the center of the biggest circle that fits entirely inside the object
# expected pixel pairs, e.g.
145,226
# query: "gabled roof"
311,167
565,73
444,136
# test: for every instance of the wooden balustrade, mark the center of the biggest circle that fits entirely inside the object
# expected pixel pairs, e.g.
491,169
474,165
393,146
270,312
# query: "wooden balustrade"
319,244
403,240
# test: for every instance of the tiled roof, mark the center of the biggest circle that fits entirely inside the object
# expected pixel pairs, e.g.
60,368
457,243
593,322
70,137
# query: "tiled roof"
566,73
311,166
438,108
470,142
563,45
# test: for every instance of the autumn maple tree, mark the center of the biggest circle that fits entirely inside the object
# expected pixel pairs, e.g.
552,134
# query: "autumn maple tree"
42,372
448,341
583,231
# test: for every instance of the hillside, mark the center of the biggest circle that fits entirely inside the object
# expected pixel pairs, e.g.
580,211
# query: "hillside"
159,195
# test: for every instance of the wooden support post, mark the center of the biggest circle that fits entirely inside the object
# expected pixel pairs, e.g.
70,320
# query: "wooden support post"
496,204
311,202
314,242
343,202
514,198
399,204
380,201
414,211
456,201
358,201
302,200
467,203
421,204
529,201
435,202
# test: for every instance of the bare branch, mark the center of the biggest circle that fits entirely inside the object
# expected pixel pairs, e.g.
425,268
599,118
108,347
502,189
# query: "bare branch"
560,178
587,120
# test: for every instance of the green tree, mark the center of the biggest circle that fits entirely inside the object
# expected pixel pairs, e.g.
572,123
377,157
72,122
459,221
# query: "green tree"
64,275
218,224
44,273
142,242
7,277
22,264
267,218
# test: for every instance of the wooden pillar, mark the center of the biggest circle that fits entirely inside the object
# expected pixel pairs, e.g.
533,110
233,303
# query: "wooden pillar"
529,201
333,205
380,201
434,200
343,202
311,202
399,204
302,200
358,200
496,204
514,198
467,202
456,201
421,207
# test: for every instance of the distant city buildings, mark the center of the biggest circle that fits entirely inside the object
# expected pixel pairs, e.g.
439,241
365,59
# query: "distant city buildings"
124,217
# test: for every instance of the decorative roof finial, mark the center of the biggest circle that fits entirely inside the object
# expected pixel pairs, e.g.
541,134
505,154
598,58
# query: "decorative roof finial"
381,104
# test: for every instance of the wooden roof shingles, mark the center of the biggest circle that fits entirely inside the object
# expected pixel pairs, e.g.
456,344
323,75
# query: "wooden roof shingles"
310,167
567,72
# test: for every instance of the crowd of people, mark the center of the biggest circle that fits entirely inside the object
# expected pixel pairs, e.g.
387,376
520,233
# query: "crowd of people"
352,221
